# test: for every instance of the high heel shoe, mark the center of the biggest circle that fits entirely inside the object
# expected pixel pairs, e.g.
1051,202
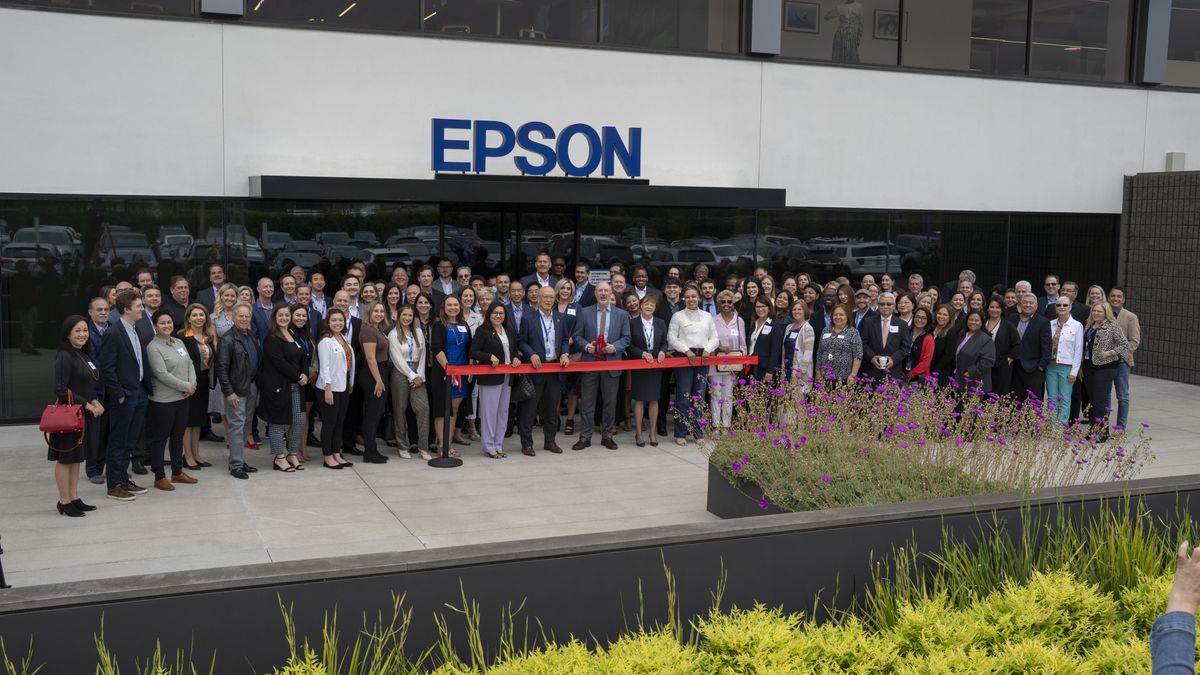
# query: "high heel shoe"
331,466
637,440
654,442
69,509
286,468
78,503
295,462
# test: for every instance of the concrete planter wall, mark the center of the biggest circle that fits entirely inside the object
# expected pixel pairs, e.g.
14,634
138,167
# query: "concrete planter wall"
584,585
726,500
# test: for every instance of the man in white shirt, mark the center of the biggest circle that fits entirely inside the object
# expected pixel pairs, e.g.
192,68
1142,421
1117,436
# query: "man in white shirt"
353,287
541,275
708,299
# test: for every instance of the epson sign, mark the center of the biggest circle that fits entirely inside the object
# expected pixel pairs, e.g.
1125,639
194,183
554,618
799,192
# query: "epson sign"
535,147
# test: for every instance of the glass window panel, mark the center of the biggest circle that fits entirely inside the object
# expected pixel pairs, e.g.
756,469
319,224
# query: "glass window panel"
852,31
665,238
392,15
985,36
825,244
55,255
939,246
687,25
139,7
1078,248
1183,47
1080,39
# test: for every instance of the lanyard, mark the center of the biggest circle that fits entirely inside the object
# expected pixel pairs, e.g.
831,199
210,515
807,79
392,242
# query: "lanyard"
648,331
547,333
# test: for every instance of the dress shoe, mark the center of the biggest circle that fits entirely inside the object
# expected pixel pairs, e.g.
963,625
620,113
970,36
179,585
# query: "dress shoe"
333,466
528,452
69,509
211,437
163,484
352,451
183,478
138,467
508,433
239,473
375,458
206,464
609,443
193,467
249,469
553,447
119,493
78,503
134,488
582,443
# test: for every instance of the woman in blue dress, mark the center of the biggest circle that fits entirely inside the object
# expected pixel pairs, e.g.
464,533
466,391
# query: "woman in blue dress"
449,338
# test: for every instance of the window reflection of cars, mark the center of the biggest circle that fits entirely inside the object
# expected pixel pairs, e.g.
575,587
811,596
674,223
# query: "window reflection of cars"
868,257
335,253
177,247
306,254
126,246
63,241
275,242
32,254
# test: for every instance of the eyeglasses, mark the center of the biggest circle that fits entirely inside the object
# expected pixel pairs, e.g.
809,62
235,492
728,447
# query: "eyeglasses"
724,302
1062,305
1051,283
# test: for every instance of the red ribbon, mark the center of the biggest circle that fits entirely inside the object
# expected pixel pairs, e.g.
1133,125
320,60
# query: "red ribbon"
595,366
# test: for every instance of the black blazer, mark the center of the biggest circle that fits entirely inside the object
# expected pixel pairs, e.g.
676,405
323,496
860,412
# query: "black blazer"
589,296
193,350
207,296
817,321
974,360
283,363
898,345
71,372
119,365
485,345
1035,346
768,347
1008,342
637,338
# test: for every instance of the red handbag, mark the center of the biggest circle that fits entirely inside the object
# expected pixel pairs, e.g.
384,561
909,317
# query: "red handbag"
58,418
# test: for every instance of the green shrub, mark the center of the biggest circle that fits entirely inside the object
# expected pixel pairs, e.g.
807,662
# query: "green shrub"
651,653
1031,657
752,641
1125,656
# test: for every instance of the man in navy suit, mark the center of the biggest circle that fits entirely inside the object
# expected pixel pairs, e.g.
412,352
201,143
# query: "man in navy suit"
541,275
125,371
886,341
542,339
516,306
207,296
97,324
1029,371
601,319
585,293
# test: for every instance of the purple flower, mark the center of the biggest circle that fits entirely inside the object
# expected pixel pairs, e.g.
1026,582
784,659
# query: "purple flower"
737,467
824,430
866,451
764,504
1145,425
903,446
802,440
702,423
920,441
958,441
826,479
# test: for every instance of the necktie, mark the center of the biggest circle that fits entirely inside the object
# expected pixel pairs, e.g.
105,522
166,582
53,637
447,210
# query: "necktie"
883,328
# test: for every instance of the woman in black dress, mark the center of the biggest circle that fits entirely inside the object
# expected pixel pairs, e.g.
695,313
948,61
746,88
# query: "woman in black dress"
302,332
74,372
647,341
281,404
200,339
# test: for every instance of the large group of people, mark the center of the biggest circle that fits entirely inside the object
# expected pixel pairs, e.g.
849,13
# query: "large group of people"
368,358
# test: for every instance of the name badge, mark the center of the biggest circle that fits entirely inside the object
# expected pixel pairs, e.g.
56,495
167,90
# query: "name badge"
91,365
826,336
893,329
182,351
766,330
733,332
462,329
841,337
570,311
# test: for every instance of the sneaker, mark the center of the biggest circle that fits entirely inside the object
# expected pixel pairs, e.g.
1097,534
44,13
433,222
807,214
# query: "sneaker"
119,493
134,488
97,479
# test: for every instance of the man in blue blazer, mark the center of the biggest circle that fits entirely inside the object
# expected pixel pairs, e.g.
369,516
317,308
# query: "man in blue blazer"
601,319
125,371
585,293
543,339
1029,370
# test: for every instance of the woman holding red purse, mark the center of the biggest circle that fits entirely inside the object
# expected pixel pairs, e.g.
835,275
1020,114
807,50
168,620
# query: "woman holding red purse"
75,373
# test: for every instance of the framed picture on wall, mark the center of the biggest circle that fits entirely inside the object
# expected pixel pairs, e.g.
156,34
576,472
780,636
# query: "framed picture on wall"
887,25
802,17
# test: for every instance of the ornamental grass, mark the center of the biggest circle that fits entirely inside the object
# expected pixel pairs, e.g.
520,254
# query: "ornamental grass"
823,443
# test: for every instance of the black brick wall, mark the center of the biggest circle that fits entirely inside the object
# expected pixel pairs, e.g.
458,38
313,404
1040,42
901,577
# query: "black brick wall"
1160,231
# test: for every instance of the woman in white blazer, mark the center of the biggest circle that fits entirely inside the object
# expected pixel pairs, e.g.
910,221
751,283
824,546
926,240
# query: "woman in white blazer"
1066,356
334,381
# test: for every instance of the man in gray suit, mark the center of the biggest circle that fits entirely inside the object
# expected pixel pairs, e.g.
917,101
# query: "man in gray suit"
602,319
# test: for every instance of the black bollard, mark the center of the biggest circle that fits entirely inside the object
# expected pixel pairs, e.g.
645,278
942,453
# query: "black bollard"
445,461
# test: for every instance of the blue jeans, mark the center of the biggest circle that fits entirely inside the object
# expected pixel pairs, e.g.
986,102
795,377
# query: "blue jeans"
125,422
1058,390
689,382
1123,394
1173,644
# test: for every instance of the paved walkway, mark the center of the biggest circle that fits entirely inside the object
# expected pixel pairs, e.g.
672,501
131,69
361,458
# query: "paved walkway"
402,505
